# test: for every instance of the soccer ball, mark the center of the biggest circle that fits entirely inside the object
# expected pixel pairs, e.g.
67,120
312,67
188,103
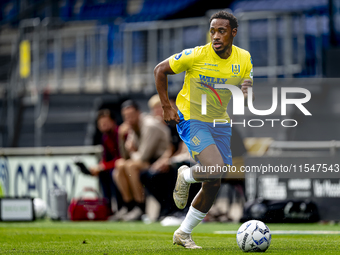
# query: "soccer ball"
253,235
40,208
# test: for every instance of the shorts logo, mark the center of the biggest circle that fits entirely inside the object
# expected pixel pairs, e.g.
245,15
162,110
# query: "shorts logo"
235,69
178,56
196,140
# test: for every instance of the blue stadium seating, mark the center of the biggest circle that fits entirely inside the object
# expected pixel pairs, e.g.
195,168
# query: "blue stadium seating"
310,8
90,9
279,5
96,10
8,9
107,11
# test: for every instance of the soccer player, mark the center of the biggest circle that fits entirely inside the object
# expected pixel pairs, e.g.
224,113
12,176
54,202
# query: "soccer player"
218,62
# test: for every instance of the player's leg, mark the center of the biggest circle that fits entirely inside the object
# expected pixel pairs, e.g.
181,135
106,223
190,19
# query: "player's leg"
196,136
217,155
204,199
211,165
214,156
210,168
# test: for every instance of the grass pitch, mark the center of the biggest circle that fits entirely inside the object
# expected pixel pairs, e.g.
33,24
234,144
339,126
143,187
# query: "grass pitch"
46,237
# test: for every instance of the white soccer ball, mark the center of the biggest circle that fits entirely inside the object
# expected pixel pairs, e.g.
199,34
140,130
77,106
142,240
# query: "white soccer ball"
253,236
40,208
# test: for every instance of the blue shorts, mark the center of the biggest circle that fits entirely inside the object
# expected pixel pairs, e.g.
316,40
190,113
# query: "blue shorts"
198,135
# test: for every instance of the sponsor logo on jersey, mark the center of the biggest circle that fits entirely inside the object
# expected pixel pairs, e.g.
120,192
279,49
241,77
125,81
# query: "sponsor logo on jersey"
188,52
208,64
235,69
211,81
208,84
178,56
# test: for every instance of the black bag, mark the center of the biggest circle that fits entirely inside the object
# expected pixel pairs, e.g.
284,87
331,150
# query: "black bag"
82,168
284,211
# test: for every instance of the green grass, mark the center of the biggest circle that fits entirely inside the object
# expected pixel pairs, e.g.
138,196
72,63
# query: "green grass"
46,237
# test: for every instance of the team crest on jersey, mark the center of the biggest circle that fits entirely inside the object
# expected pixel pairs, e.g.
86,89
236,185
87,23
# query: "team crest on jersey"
235,69
196,140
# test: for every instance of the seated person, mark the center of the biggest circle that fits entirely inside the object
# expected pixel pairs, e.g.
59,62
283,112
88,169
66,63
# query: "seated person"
143,139
161,177
107,126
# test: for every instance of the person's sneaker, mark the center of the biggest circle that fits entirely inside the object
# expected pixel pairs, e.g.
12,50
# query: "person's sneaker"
135,214
119,215
185,240
181,191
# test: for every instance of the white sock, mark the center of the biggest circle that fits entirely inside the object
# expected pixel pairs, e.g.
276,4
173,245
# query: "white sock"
192,219
187,173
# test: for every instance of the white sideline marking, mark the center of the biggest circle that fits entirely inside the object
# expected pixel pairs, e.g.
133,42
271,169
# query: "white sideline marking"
291,232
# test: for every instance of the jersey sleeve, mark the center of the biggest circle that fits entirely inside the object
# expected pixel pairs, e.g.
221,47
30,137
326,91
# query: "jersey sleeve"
182,61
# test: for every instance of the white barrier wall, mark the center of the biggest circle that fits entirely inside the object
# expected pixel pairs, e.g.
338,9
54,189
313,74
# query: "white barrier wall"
35,175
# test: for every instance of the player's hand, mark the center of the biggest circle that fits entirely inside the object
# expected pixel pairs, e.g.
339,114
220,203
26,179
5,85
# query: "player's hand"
170,115
244,87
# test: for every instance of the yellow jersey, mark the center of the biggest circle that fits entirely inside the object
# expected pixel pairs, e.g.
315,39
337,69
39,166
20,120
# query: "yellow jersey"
204,68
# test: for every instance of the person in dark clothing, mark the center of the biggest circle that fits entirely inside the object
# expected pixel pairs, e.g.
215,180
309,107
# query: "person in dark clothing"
109,129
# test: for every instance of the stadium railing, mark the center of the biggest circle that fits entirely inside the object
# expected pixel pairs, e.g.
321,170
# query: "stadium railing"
74,59
52,151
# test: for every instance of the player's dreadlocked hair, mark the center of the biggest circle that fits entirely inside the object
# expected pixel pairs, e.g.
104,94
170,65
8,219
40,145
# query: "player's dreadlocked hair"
225,15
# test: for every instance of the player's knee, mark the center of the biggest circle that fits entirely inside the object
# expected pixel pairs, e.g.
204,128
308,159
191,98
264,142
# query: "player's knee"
216,171
212,186
217,175
215,162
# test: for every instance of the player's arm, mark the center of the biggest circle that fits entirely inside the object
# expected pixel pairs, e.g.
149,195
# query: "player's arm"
248,82
161,72
244,87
